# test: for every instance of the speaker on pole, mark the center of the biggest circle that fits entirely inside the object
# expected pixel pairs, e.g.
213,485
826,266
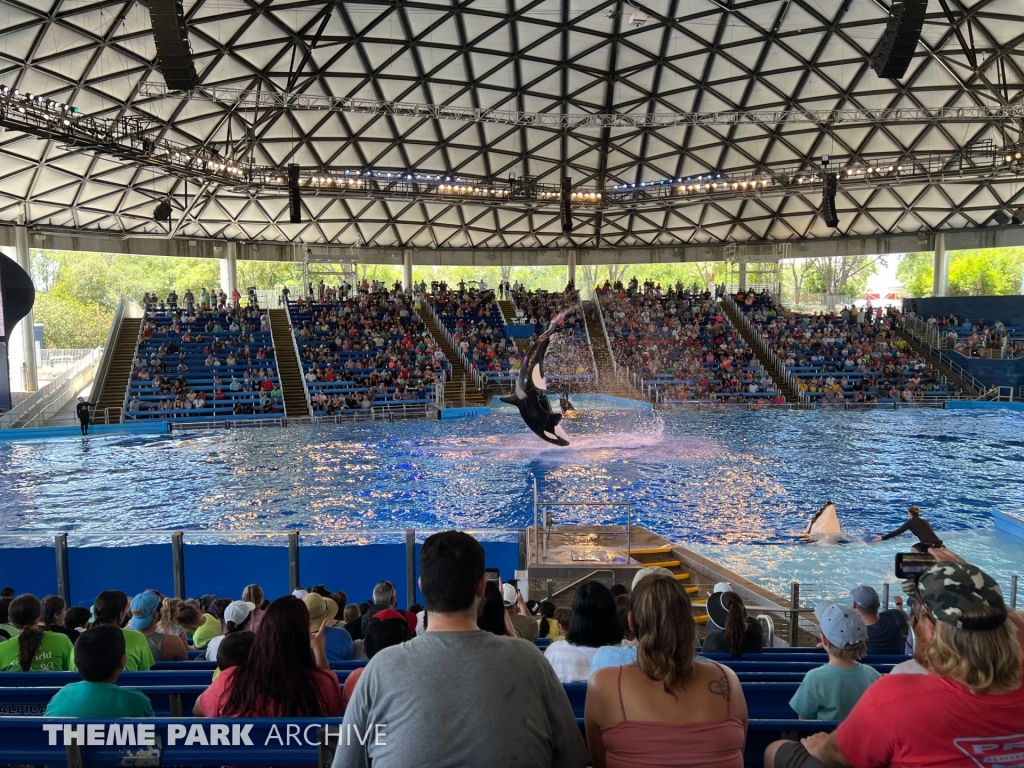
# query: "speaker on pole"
566,205
830,185
294,198
895,50
173,51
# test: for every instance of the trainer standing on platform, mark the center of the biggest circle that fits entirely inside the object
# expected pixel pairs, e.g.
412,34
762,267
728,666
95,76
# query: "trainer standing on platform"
82,411
918,526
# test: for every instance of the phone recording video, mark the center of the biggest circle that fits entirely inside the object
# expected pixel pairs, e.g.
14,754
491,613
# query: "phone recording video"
911,564
492,574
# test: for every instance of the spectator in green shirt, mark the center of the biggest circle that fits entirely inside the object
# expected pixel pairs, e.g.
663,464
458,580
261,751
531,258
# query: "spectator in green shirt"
112,608
210,628
34,650
100,657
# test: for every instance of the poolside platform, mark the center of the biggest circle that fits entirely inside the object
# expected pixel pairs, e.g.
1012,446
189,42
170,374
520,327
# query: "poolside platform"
569,555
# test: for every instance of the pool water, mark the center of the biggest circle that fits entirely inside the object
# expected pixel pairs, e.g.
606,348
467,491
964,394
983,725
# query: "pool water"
738,486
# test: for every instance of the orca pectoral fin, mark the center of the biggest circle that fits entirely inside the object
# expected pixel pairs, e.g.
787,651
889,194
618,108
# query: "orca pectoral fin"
555,418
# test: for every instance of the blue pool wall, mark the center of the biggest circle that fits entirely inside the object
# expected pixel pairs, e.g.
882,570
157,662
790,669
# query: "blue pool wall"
225,569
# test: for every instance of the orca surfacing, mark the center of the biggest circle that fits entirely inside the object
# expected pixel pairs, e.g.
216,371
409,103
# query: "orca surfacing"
531,397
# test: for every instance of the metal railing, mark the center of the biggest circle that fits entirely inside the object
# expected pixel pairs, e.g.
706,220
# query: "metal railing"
298,360
590,343
43,404
126,308
928,336
541,544
755,333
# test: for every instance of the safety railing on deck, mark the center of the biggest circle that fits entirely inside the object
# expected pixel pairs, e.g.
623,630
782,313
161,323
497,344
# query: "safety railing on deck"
43,404
542,526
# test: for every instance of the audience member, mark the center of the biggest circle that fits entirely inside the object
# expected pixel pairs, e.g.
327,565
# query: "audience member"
351,613
967,711
100,659
525,625
237,618
286,674
593,623
34,649
885,629
233,650
497,694
77,619
253,593
384,596
338,643
146,609
617,655
562,620
54,612
7,630
210,626
547,626
730,630
112,608
493,617
667,708
386,628
831,691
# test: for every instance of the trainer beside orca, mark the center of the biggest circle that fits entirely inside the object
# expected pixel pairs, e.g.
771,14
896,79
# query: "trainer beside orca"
531,397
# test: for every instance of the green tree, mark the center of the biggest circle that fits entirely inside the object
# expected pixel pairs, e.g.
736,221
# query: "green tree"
840,275
978,272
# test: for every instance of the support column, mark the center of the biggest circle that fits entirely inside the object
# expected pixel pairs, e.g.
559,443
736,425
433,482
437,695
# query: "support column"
407,270
229,269
26,367
743,277
940,278
572,268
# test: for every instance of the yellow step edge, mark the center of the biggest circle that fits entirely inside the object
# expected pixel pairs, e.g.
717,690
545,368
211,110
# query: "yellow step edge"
662,564
702,619
652,551
692,590
682,576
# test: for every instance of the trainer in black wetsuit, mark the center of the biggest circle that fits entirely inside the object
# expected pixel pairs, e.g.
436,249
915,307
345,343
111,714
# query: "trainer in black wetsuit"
918,526
82,411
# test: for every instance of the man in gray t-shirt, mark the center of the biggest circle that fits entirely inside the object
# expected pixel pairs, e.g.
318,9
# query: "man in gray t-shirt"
457,696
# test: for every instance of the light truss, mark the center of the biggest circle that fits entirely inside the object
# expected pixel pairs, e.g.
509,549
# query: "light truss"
270,100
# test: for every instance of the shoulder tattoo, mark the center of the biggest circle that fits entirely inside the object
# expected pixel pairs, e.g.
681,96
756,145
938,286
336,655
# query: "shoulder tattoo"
720,687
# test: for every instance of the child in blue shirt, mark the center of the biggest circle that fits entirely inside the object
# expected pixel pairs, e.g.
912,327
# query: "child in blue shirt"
831,691
100,660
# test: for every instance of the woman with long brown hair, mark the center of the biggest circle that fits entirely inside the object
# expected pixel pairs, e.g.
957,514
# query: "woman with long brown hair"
286,675
34,650
667,708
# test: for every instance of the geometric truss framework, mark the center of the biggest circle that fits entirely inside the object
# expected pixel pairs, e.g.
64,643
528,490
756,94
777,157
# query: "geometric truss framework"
589,80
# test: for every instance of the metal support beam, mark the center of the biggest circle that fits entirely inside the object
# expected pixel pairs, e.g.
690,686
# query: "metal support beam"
407,269
26,366
60,547
178,563
293,560
940,278
410,567
229,268
743,276
571,273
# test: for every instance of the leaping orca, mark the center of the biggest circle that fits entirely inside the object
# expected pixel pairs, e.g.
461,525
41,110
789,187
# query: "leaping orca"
531,397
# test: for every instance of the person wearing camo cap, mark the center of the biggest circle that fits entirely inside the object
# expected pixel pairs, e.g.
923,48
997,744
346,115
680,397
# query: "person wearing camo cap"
969,709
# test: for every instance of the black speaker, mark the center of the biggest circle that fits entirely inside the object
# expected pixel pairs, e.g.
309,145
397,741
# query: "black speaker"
1001,218
895,50
173,51
294,198
829,187
162,212
566,205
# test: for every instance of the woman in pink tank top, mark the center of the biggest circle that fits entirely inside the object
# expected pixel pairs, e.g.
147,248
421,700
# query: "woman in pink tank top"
667,710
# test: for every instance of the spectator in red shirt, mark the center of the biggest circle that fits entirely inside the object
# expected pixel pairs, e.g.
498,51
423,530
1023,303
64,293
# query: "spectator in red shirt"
968,711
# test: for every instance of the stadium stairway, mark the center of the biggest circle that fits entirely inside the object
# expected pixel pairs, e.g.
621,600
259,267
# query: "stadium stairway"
453,387
755,346
663,557
288,369
608,383
115,385
507,311
937,364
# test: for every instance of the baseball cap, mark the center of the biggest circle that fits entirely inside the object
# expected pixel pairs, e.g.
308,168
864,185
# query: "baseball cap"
950,590
840,624
320,608
144,605
300,593
388,614
207,601
238,611
865,595
651,570
508,595
723,586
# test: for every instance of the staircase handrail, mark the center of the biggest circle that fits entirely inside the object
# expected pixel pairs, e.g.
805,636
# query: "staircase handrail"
298,359
788,376
450,339
108,349
922,332
590,344
138,340
51,395
604,331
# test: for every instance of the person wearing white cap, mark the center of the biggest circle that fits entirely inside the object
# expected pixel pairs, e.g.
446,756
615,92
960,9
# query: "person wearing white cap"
525,626
237,618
